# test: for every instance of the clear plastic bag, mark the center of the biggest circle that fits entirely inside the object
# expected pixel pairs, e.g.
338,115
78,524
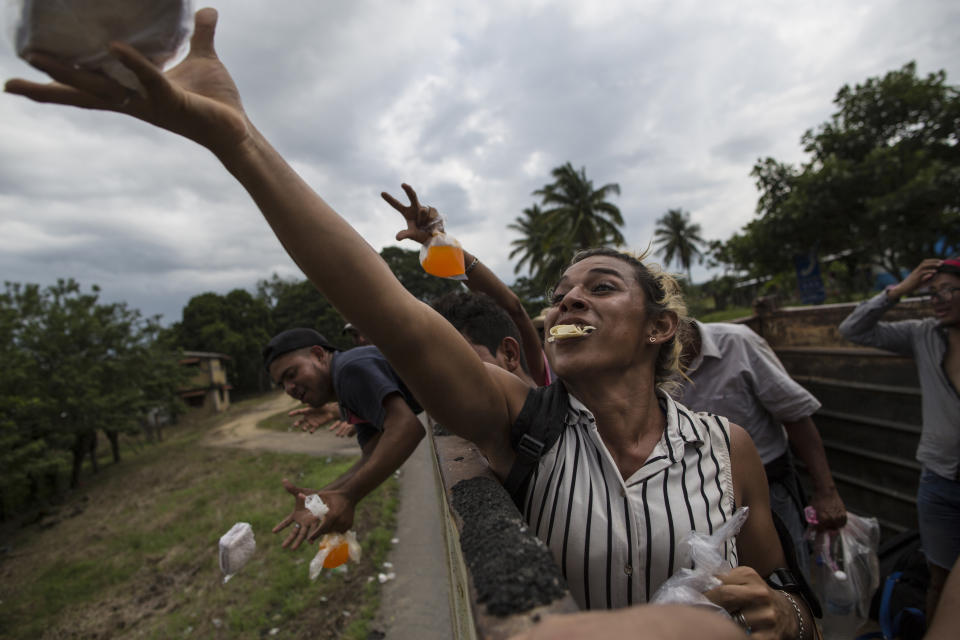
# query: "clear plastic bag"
78,31
687,586
441,255
236,548
846,573
333,550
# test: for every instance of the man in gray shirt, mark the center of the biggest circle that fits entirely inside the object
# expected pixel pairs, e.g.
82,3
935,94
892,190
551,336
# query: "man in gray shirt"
733,372
934,344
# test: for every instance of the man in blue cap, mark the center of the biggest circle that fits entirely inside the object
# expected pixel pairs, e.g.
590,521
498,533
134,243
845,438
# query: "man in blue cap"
372,397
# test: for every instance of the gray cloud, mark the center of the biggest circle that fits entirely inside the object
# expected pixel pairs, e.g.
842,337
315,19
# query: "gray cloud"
473,103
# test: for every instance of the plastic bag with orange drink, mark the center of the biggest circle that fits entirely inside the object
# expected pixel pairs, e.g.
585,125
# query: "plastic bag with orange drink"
333,550
442,255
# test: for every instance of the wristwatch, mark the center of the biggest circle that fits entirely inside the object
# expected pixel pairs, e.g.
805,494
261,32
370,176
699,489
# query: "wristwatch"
784,580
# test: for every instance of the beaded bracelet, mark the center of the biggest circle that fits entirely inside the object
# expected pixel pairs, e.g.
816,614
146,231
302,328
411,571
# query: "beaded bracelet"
473,265
796,608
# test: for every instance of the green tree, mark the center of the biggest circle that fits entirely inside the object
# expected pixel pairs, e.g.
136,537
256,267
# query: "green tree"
678,240
28,462
883,178
532,243
532,295
574,216
297,303
236,324
76,367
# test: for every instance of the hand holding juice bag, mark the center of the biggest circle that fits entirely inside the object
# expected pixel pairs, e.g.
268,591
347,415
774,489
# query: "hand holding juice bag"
440,254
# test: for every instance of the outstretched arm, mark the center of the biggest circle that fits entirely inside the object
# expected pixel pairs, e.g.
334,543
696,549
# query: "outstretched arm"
657,622
384,454
480,279
198,99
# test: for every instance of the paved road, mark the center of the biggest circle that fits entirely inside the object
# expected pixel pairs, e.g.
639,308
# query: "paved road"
416,604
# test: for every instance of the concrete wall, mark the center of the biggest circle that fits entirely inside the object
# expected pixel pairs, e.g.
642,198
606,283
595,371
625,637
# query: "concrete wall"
503,579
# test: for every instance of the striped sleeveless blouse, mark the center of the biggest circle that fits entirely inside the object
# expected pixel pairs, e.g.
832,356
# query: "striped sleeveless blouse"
616,540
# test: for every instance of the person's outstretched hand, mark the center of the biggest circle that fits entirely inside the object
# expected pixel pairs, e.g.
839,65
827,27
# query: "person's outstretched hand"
196,99
304,522
340,516
422,221
312,418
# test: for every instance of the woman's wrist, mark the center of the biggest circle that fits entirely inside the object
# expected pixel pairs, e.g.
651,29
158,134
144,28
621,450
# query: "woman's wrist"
803,625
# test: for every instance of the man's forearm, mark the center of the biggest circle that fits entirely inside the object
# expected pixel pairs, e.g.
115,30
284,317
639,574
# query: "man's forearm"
399,439
808,446
345,477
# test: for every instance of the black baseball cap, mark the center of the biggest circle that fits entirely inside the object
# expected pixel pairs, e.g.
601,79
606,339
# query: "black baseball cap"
291,340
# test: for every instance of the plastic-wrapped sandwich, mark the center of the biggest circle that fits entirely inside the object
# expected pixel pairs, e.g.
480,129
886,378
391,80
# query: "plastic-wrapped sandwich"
78,31
236,549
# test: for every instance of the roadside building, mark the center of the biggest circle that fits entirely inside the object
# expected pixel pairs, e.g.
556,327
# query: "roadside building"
207,389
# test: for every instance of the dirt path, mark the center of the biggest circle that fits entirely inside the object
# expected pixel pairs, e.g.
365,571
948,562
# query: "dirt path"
242,433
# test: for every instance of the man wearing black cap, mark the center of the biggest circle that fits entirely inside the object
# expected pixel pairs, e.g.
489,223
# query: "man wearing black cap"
371,396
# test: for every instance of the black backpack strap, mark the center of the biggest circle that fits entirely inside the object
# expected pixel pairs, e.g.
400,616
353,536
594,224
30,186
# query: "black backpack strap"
536,429
782,579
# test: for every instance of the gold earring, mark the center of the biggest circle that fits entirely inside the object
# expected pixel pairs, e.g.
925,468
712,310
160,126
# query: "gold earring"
652,339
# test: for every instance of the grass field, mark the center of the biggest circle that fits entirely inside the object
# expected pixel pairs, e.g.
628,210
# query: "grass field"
726,315
134,552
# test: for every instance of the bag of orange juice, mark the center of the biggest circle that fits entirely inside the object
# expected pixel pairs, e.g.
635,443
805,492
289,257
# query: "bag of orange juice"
441,255
333,550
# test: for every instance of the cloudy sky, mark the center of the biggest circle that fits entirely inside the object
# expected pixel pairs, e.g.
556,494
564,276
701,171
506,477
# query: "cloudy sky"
472,102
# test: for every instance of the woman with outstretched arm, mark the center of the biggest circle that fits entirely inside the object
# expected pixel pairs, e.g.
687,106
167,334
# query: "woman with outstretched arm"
631,472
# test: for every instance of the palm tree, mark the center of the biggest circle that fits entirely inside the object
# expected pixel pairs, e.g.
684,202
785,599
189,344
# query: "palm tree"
677,239
531,243
578,214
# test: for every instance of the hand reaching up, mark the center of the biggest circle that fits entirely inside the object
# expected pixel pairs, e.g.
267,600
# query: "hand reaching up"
196,99
422,222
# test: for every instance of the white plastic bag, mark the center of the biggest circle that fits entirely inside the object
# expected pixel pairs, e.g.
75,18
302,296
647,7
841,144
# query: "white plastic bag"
316,506
846,573
236,548
78,31
687,586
